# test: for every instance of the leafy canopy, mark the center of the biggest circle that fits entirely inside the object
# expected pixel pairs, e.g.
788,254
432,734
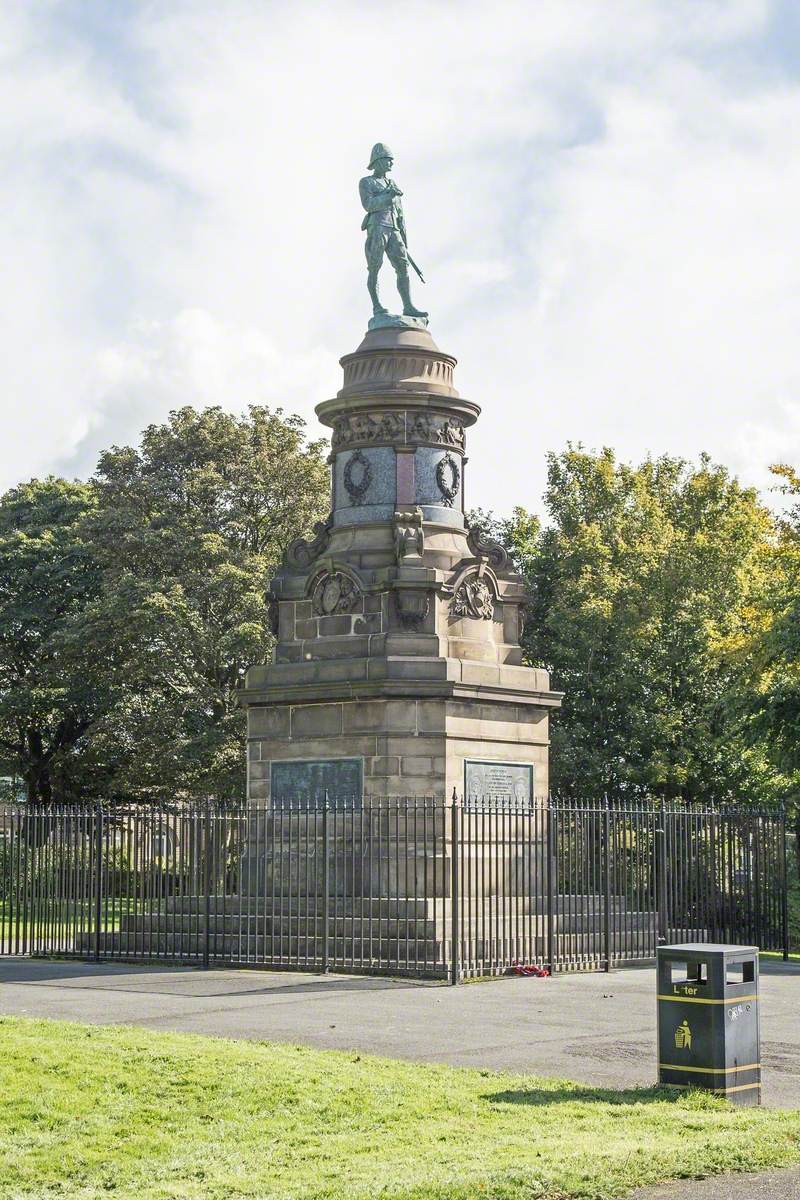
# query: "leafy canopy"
646,583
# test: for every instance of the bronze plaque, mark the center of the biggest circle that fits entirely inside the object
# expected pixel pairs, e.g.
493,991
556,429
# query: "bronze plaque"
309,782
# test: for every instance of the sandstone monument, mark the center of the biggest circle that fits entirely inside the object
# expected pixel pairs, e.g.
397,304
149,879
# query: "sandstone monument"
397,669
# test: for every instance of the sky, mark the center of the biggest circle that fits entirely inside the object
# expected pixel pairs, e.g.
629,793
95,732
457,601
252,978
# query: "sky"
603,195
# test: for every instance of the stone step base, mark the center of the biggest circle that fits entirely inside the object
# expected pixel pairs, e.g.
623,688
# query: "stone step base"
295,948
361,925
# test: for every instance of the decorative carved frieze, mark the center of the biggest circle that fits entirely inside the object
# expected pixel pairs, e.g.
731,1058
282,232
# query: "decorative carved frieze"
334,592
357,477
482,546
355,429
301,553
448,478
409,539
442,431
367,427
473,598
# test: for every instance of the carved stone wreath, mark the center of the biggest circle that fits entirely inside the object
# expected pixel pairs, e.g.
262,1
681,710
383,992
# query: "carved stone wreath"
474,599
334,592
448,477
357,477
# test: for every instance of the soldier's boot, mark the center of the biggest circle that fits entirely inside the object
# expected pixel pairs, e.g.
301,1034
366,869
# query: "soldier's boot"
372,287
404,289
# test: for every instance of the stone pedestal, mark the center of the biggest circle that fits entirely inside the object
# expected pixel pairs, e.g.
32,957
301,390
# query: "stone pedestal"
398,657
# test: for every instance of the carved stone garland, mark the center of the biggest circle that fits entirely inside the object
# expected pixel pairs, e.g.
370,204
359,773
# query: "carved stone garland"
408,535
448,478
334,592
357,485
413,606
474,599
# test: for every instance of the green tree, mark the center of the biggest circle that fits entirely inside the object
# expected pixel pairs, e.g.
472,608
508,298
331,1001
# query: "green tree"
646,586
189,527
775,657
57,679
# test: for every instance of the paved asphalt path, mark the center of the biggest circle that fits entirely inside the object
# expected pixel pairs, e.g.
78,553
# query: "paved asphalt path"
594,1028
769,1185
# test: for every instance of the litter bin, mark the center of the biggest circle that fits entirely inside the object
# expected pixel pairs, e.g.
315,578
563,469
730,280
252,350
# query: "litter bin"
708,1033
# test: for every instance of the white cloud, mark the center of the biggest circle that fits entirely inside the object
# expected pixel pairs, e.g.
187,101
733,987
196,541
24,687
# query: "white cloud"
602,196
199,360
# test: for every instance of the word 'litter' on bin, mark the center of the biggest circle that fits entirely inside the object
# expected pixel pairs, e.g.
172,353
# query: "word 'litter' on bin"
708,1019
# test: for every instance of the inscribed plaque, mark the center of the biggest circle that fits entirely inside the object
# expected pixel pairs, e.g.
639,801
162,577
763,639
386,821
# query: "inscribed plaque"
498,781
307,782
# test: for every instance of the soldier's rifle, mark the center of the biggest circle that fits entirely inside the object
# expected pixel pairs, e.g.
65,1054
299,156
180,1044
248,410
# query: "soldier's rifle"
402,225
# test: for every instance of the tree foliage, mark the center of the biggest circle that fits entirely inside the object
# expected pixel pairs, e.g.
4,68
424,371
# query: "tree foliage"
647,588
776,653
131,607
189,527
56,681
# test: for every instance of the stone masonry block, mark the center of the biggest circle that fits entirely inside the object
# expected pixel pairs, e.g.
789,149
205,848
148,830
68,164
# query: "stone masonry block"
416,765
335,626
343,647
431,716
286,621
316,720
306,629
389,765
380,715
410,744
363,746
268,722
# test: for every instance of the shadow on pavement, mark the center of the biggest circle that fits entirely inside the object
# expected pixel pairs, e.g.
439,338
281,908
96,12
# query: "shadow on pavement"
47,973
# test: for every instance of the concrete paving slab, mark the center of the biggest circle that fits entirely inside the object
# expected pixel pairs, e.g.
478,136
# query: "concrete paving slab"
769,1185
594,1028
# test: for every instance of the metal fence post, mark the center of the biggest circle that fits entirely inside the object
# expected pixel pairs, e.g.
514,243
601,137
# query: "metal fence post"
98,875
207,884
455,932
661,873
607,886
784,888
551,888
325,886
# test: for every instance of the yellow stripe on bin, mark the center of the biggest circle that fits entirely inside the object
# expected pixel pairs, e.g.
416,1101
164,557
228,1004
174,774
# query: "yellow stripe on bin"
701,1000
709,1070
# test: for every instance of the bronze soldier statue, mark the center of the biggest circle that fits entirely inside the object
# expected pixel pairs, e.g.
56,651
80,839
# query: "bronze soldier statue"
386,230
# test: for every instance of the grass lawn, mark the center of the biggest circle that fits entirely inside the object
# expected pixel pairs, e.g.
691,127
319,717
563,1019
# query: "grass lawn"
87,1111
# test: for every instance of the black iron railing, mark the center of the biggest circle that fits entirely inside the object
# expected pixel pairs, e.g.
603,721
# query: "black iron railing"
399,885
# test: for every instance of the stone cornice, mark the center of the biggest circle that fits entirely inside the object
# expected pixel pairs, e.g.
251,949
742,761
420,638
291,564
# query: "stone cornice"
383,688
